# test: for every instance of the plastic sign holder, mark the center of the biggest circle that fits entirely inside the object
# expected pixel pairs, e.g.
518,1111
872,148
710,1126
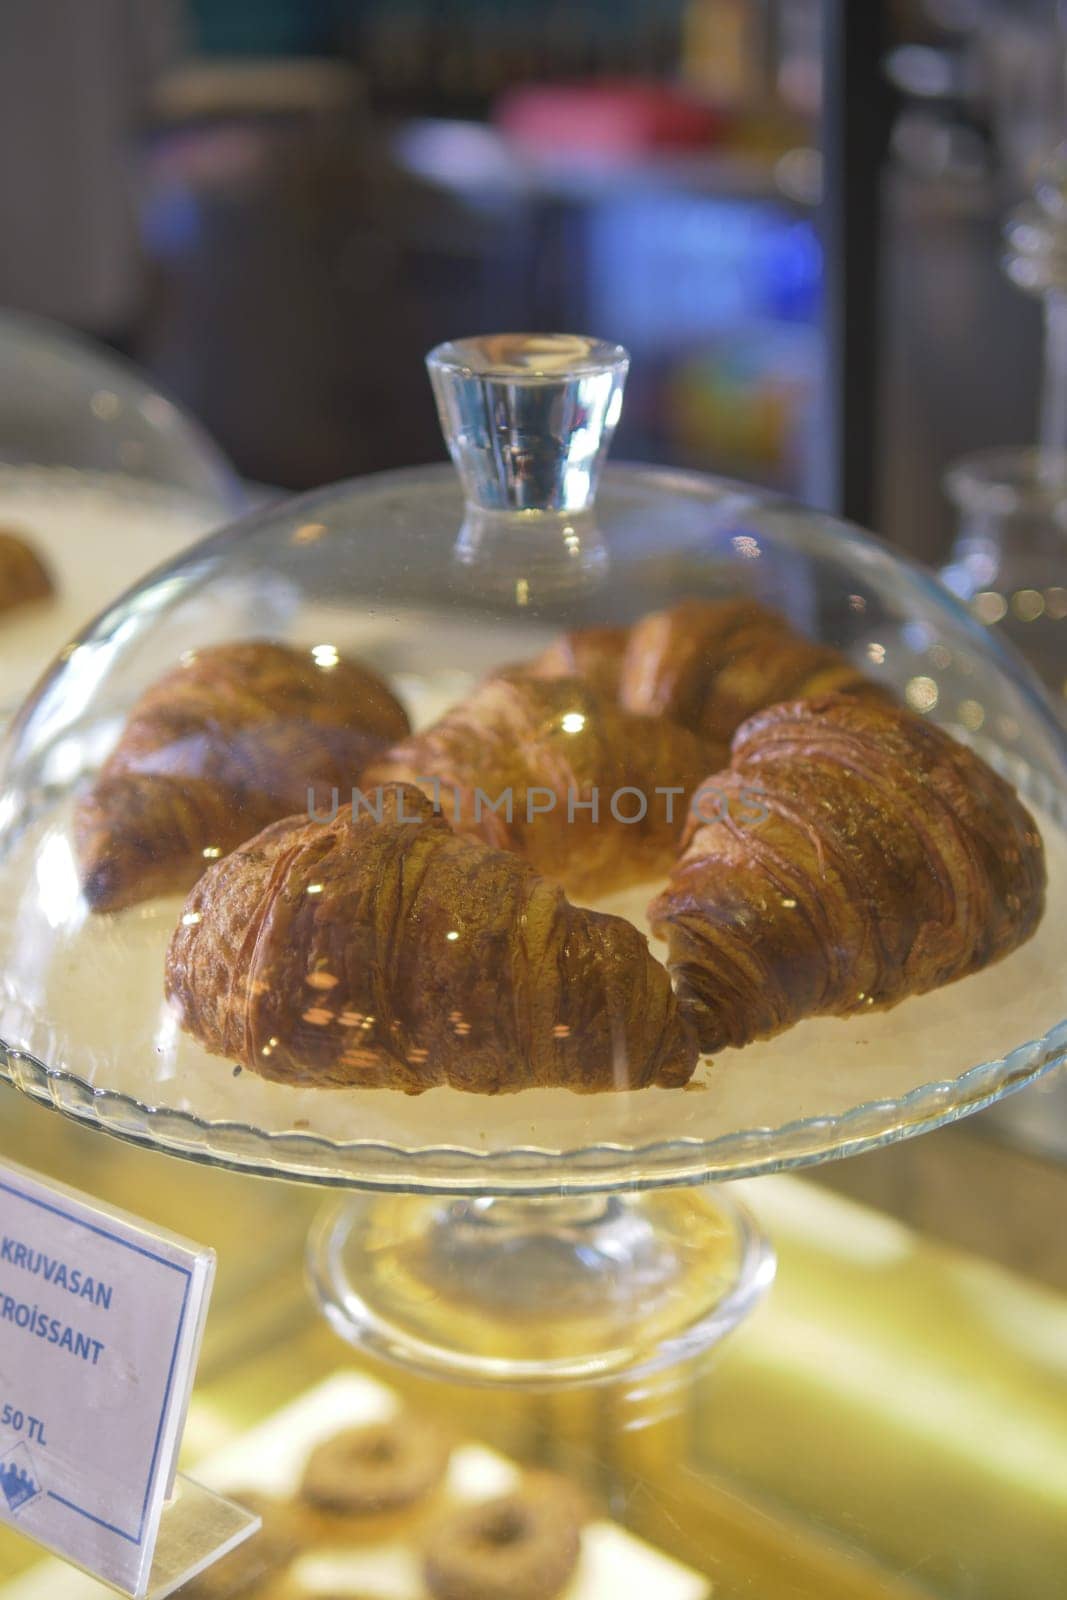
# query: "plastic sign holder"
101,1317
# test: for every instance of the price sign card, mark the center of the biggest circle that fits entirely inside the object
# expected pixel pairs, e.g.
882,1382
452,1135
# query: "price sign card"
100,1324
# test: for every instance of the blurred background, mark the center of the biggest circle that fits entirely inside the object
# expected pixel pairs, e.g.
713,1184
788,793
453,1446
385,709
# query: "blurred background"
789,210
833,235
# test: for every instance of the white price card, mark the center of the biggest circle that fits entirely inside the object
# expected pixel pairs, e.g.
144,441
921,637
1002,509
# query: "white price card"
100,1324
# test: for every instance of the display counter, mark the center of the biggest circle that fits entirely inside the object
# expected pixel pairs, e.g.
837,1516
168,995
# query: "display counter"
892,1424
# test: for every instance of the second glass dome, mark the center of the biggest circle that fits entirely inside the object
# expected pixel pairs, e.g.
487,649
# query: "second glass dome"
175,727
101,479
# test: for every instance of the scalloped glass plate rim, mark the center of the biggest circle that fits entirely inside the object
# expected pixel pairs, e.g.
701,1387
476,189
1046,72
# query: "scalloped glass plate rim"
532,1169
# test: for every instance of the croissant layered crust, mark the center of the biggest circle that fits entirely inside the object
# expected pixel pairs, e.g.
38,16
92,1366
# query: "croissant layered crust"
709,664
23,575
595,654
874,857
234,738
550,770
391,952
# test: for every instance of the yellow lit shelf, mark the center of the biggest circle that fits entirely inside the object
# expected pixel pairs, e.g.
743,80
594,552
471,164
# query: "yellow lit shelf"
890,1425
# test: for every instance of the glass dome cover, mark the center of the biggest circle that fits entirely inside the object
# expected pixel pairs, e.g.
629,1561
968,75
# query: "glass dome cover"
101,479
415,588
68,402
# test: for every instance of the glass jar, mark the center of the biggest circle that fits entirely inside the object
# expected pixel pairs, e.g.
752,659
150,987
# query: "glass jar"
1009,559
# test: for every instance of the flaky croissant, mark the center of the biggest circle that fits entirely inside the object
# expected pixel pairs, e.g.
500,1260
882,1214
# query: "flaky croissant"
390,952
712,663
594,654
707,664
553,772
234,738
857,855
23,575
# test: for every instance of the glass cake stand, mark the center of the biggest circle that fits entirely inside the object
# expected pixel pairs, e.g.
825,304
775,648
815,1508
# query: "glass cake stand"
104,476
541,1237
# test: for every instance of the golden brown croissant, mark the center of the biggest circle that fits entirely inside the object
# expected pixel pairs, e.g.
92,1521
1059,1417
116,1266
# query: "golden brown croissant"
857,855
390,952
711,663
595,654
234,738
23,575
585,783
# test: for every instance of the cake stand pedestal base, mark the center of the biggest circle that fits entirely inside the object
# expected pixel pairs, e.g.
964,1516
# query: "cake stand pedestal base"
538,1293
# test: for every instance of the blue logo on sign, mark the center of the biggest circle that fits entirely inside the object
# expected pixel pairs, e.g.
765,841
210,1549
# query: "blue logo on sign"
18,1478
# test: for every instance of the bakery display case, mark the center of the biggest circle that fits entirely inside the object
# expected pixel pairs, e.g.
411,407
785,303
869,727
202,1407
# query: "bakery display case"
102,478
535,902
889,1427
362,807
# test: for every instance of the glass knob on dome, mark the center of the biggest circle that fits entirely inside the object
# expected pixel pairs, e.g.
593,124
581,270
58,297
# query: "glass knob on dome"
528,419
